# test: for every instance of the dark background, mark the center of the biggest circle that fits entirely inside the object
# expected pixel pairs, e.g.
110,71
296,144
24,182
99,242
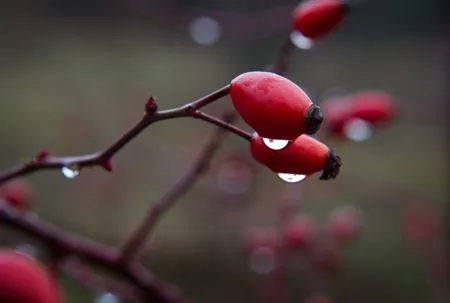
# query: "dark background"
75,74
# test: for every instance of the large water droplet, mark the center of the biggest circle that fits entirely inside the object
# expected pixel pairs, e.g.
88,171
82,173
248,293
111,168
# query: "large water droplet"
107,298
301,41
275,144
70,172
262,260
358,130
291,178
205,30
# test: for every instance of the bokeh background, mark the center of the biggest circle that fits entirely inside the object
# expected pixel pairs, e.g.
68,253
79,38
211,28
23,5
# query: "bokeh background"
75,74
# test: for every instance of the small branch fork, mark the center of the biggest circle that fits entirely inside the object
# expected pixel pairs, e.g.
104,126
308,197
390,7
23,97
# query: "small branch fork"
139,282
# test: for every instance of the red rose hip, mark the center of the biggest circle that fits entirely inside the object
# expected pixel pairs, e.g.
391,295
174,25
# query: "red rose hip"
303,156
23,280
372,106
275,107
316,18
17,193
299,233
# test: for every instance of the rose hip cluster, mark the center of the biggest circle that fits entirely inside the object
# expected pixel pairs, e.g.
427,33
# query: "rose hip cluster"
277,109
303,234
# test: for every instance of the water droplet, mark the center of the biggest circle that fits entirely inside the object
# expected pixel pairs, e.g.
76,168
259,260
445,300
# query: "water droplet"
291,178
275,144
70,172
262,260
358,130
107,298
205,30
28,250
301,41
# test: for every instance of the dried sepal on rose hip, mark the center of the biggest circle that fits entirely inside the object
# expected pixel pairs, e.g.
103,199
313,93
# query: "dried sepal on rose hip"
275,107
314,19
303,156
23,280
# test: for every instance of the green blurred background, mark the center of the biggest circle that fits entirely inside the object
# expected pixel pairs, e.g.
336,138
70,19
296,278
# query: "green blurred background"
75,75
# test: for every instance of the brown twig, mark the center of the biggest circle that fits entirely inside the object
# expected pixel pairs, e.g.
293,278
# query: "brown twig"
64,242
138,238
102,158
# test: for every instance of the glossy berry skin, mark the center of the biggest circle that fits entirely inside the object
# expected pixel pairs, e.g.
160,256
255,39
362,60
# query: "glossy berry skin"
303,156
17,193
343,225
275,107
314,19
23,280
300,233
372,106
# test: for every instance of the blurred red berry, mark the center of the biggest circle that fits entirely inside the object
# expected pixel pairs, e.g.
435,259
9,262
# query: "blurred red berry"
23,280
336,112
300,233
275,107
344,225
316,18
374,107
419,225
326,259
317,298
304,156
17,193
258,238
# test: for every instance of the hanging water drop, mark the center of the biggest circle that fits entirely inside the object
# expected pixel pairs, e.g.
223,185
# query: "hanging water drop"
301,41
70,172
275,144
107,298
291,178
358,130
262,260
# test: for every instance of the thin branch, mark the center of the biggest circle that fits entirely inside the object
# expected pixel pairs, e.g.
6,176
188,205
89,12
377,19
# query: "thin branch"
102,158
97,284
223,124
283,57
64,242
138,238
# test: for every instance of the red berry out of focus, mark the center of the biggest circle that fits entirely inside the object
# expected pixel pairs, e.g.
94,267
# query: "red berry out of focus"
304,156
327,259
343,225
17,193
317,298
316,18
374,107
300,233
23,280
258,238
420,225
274,106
